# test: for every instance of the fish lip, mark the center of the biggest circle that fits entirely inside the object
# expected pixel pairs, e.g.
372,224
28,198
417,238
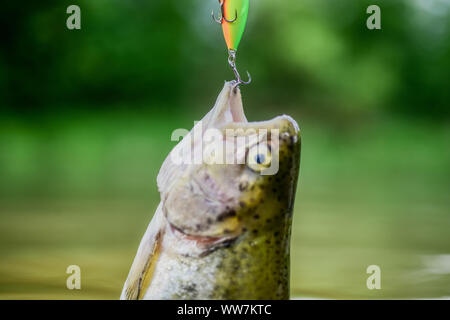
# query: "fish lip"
228,107
228,113
284,123
276,122
229,110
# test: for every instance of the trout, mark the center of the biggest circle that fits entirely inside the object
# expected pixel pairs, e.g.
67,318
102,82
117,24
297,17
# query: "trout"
222,229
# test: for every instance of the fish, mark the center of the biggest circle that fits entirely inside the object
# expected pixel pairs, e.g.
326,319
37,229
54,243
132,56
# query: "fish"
222,229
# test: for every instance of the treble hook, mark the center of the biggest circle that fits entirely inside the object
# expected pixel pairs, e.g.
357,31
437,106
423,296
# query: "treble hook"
222,12
232,62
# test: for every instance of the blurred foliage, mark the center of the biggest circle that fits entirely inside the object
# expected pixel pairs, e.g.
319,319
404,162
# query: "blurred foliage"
86,118
315,52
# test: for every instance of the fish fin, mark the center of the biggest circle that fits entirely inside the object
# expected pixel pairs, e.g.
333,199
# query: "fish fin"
144,263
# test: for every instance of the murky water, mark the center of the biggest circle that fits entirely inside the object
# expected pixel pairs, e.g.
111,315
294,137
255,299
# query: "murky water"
332,246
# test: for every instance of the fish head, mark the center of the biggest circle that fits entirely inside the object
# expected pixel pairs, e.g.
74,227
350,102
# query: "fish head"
245,182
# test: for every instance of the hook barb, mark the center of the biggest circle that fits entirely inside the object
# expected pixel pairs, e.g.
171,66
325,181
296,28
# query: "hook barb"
222,17
218,20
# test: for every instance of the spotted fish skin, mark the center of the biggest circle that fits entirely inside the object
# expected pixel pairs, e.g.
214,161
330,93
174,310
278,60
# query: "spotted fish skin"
222,231
259,262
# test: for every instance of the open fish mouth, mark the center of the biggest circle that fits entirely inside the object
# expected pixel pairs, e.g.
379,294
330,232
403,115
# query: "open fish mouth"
229,110
201,200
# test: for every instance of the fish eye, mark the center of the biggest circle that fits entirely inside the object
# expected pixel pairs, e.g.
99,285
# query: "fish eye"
259,157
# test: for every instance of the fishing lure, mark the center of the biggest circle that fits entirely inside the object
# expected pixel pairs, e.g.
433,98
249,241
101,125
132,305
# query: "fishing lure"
233,18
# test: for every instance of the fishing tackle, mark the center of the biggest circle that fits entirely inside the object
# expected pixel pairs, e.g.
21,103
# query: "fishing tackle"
233,30
222,14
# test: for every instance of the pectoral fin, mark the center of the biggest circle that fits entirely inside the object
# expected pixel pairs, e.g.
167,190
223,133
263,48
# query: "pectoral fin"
144,264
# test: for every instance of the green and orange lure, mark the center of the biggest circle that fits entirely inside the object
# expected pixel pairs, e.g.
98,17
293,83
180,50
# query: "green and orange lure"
233,18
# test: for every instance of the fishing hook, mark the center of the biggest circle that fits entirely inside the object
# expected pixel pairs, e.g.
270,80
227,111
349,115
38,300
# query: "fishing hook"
232,62
222,12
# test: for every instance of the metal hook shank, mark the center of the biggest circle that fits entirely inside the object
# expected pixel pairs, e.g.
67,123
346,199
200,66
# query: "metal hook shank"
232,62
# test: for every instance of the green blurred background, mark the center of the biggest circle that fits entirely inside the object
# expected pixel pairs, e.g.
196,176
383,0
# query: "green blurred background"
86,118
